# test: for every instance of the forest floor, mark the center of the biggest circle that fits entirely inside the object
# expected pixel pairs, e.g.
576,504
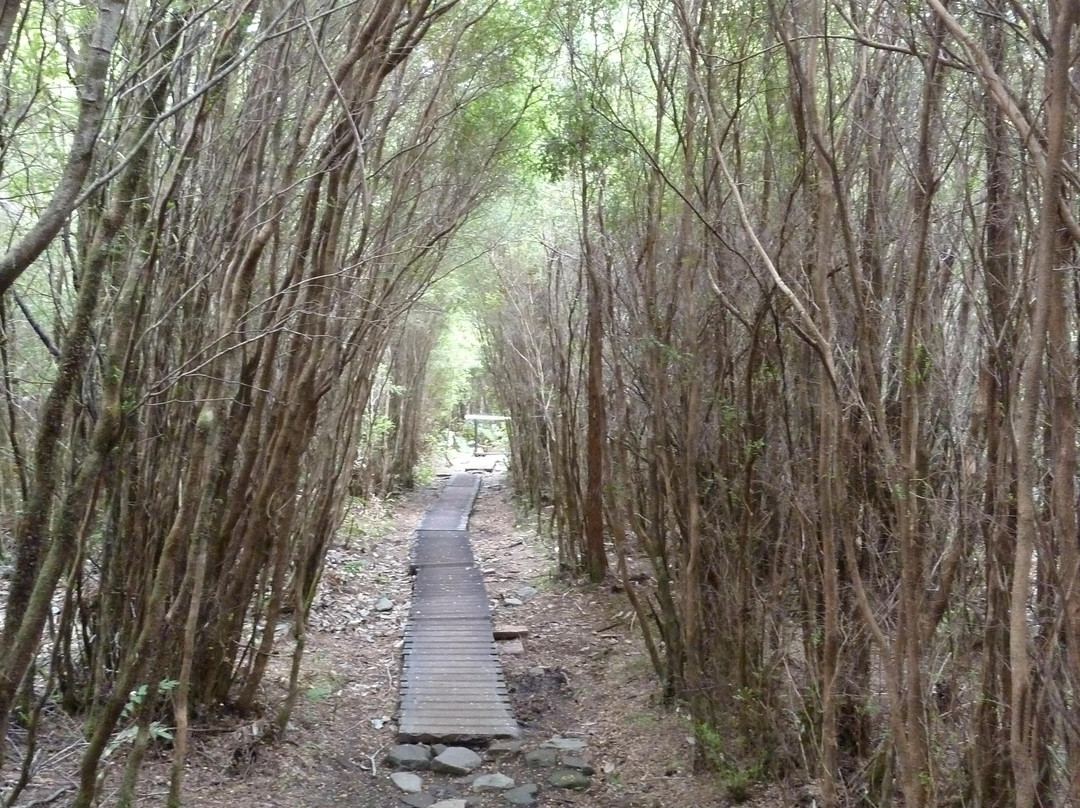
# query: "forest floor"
596,684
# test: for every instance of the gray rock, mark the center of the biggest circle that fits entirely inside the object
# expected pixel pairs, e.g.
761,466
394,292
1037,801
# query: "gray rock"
422,800
522,795
408,782
456,760
512,601
564,744
493,782
578,764
545,758
526,592
450,804
384,604
409,756
569,778
438,748
506,747
538,670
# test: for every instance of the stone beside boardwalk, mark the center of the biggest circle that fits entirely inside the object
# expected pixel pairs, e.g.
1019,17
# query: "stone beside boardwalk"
452,686
439,776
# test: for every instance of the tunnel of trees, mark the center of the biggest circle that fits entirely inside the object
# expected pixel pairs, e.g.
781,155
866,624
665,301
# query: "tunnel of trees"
781,296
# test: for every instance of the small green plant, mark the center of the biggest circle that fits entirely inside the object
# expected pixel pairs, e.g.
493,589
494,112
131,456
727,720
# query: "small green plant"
322,687
737,782
736,779
710,744
319,692
158,732
423,474
136,698
354,565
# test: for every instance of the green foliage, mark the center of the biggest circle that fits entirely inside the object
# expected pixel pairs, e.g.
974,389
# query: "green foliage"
709,742
381,426
736,778
580,136
137,697
319,692
157,730
355,565
323,687
453,369
501,60
423,474
136,700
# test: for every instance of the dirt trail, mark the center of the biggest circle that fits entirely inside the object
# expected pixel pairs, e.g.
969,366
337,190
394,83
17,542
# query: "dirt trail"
595,684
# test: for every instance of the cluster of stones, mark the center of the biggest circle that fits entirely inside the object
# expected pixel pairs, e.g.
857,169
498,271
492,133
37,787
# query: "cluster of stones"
563,756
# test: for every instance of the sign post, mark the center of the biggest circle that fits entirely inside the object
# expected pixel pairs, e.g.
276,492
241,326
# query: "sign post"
476,419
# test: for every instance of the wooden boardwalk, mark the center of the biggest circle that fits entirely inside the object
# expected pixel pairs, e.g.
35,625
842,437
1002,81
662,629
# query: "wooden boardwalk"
452,686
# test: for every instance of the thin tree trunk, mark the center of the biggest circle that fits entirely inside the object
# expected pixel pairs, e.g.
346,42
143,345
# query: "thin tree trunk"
593,505
1023,734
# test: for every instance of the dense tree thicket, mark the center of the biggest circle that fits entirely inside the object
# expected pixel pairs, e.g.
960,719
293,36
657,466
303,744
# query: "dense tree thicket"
216,216
822,304
797,356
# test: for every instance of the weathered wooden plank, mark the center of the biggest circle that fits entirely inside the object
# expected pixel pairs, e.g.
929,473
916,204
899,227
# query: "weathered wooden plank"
466,718
439,698
432,692
473,708
459,669
509,632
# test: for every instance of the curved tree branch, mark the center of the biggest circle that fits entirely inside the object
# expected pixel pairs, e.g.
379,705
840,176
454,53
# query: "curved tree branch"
92,105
